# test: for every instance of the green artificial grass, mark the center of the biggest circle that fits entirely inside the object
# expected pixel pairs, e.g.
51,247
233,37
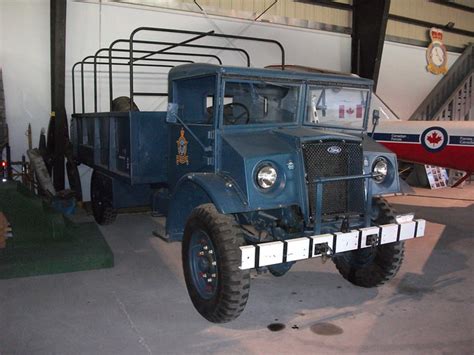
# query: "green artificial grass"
43,241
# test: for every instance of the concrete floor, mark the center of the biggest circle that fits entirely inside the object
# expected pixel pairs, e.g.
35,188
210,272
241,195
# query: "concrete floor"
141,305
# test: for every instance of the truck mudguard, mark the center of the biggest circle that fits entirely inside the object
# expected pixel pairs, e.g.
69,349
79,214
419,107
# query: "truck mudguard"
195,189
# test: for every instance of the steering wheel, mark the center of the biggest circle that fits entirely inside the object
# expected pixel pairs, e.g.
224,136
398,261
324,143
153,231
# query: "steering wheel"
230,119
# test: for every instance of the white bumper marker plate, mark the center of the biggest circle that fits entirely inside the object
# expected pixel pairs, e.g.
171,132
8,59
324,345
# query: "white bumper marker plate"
248,257
389,233
420,229
297,249
346,241
407,230
272,253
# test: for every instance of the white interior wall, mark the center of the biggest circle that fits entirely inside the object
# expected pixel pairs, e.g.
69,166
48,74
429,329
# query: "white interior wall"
24,57
332,51
403,80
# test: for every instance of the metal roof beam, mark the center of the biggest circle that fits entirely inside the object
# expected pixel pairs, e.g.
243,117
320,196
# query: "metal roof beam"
369,24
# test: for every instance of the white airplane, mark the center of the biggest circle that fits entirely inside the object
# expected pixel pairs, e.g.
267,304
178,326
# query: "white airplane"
449,144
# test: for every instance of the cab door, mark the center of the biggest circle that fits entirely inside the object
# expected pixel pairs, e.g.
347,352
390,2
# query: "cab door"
191,142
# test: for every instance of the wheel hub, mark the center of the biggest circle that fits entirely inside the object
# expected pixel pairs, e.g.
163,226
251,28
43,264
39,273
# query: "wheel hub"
203,265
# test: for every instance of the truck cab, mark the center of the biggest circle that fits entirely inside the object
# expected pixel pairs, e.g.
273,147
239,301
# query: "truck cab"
266,135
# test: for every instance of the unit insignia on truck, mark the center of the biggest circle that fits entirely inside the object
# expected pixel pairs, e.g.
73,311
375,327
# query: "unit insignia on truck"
182,143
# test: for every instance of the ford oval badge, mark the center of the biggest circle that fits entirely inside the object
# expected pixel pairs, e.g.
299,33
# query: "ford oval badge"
334,149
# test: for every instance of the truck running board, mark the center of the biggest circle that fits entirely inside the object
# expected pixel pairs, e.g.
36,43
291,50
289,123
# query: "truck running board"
271,253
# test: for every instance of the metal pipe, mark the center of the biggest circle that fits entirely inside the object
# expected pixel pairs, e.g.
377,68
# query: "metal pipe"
130,72
188,45
131,41
73,88
198,35
176,45
125,50
82,88
342,178
219,35
84,61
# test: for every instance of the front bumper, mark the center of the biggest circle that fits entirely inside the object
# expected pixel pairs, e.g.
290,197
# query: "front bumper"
272,253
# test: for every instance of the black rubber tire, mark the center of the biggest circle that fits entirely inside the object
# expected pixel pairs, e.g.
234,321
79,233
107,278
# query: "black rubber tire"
280,269
233,284
122,104
102,209
372,267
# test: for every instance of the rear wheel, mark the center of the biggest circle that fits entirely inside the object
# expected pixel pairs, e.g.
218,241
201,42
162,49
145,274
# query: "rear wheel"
102,208
371,267
211,258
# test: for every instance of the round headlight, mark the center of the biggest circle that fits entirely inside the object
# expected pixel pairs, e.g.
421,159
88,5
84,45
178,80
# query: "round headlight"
380,169
266,176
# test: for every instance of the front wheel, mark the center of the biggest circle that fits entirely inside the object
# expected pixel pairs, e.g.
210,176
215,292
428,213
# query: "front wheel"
371,267
211,258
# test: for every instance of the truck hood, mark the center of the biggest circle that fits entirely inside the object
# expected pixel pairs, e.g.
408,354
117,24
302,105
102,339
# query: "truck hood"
244,151
278,141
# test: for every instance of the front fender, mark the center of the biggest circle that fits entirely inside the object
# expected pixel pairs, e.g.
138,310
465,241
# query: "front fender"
372,150
196,189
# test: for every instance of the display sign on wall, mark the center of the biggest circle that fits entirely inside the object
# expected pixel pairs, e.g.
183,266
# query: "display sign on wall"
436,55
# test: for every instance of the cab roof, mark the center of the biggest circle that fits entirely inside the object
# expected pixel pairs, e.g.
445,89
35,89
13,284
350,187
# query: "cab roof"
204,69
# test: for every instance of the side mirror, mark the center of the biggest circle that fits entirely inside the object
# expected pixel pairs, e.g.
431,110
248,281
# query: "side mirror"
172,113
375,120
375,117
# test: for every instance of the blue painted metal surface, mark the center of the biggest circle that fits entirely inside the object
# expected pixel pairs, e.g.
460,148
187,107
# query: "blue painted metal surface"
207,159
195,189
204,69
130,145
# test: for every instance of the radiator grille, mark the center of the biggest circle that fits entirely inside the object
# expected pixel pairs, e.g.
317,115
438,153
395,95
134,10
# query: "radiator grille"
341,196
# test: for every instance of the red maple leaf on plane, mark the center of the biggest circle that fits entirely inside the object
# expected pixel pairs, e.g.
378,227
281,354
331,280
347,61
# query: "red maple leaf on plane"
434,138
350,110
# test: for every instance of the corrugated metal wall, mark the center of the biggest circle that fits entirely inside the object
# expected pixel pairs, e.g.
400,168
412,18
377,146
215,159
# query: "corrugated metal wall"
305,14
284,8
430,12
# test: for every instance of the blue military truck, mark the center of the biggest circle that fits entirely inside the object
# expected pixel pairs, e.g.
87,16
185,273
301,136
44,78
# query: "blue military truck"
254,168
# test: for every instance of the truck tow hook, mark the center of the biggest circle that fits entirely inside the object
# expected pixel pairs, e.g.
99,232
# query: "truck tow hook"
345,225
324,250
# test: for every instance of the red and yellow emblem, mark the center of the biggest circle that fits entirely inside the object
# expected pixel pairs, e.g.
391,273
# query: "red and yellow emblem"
182,156
436,55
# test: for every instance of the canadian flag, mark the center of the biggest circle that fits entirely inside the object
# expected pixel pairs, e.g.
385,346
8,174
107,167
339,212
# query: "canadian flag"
350,111
341,111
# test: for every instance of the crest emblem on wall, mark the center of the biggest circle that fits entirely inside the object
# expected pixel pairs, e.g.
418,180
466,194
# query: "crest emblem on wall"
436,55
182,143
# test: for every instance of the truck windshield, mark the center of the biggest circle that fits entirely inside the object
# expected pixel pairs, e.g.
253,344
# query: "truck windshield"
336,106
260,102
